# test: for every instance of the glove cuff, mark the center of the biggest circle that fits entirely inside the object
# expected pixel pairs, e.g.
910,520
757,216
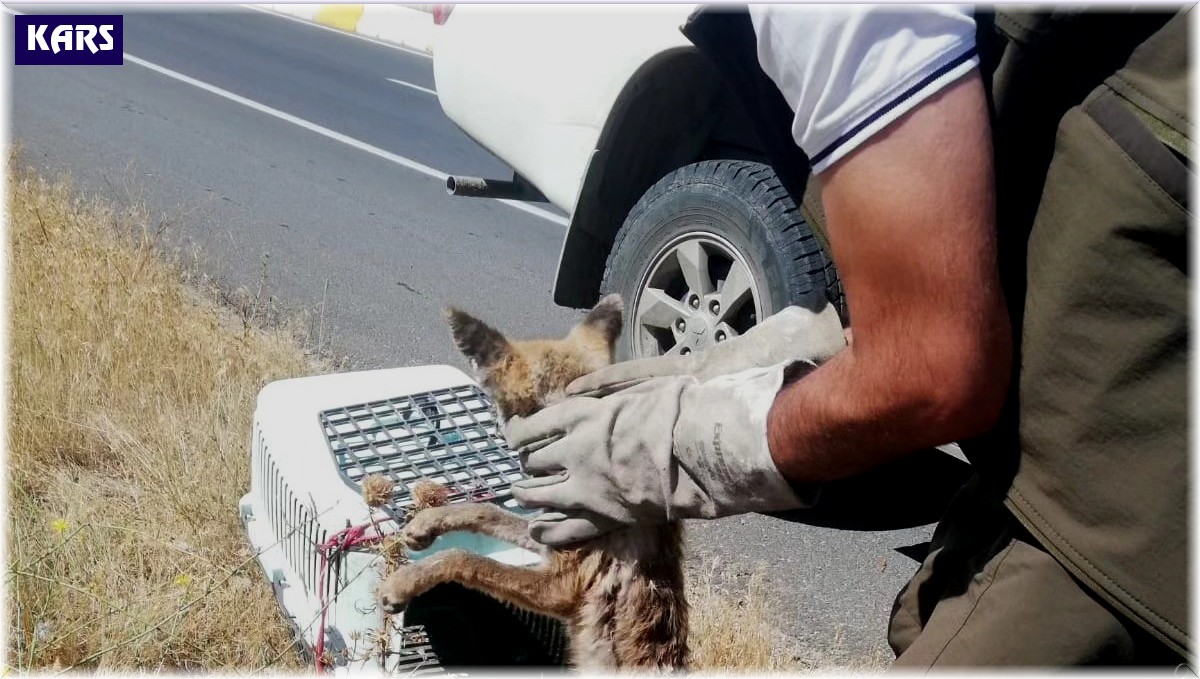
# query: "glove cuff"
724,461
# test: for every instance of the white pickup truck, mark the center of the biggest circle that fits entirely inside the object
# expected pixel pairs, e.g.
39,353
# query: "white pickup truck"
614,116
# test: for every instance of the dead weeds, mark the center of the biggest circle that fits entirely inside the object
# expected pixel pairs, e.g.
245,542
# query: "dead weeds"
130,400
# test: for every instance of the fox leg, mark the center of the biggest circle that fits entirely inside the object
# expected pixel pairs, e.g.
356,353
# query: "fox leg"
534,589
483,518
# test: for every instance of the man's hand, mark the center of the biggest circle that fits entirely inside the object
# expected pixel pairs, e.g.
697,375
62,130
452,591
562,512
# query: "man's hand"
795,332
664,449
661,438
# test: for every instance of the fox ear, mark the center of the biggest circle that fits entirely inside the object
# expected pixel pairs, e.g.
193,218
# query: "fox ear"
478,341
606,318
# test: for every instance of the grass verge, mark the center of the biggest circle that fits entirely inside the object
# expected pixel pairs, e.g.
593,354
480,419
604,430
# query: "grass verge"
130,397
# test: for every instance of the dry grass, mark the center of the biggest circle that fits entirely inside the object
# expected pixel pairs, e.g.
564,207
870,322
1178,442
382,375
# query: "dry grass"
735,629
130,396
732,625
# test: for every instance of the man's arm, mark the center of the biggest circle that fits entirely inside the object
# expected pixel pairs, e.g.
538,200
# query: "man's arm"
911,218
909,203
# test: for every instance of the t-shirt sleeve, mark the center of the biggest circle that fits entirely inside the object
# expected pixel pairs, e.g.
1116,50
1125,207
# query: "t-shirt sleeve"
849,71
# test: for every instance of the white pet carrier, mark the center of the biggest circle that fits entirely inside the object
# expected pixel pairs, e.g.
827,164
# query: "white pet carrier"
314,440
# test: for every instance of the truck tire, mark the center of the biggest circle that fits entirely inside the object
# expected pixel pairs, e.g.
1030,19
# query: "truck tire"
709,251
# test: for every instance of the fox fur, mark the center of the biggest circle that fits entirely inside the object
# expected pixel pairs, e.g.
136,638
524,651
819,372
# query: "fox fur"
621,595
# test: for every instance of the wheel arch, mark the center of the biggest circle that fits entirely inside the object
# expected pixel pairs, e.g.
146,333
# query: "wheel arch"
674,111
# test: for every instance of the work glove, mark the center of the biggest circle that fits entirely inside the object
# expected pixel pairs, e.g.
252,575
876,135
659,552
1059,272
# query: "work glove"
794,333
667,439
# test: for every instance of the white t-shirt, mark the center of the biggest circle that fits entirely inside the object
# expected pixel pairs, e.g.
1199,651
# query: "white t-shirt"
850,70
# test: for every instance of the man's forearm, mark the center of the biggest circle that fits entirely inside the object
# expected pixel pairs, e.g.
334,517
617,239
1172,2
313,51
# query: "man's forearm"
846,418
911,222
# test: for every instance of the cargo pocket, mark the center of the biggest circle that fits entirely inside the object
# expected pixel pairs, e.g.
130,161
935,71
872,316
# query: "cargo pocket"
1103,386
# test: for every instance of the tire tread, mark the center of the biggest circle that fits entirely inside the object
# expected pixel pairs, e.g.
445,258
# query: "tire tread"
758,186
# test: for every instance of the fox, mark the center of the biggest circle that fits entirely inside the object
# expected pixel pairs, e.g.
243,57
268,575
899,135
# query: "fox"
621,596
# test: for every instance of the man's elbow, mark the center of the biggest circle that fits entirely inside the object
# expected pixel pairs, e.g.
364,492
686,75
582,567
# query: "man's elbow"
966,392
964,414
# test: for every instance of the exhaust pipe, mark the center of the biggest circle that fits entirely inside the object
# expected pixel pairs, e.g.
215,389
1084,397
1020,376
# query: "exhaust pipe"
477,187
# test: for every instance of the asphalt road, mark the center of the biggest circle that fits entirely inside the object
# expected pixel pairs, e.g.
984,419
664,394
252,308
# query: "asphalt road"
373,246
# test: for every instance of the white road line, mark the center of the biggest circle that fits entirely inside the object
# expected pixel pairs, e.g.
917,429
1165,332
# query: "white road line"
368,38
415,87
331,134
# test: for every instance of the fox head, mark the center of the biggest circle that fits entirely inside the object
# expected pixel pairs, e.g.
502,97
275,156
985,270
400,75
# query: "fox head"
523,376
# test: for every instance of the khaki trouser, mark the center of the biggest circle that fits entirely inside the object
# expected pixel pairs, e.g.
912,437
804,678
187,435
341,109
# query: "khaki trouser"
1084,558
988,595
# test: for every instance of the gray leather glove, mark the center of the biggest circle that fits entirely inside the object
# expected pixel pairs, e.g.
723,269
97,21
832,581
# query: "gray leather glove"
665,449
794,333
665,438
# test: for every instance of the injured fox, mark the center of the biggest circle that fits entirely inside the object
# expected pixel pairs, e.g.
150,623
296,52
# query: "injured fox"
621,595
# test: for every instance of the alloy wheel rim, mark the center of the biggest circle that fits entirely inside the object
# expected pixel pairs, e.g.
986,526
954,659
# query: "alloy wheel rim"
697,292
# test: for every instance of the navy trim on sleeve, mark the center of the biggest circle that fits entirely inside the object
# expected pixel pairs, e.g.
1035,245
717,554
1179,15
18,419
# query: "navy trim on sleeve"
904,96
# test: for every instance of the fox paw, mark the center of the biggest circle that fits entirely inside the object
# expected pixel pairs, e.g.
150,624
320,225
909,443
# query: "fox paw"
400,588
408,582
422,529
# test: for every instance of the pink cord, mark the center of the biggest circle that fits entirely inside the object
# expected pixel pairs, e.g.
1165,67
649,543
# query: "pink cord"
343,540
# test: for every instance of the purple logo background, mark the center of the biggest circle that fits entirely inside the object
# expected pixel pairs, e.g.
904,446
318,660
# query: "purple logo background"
31,27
